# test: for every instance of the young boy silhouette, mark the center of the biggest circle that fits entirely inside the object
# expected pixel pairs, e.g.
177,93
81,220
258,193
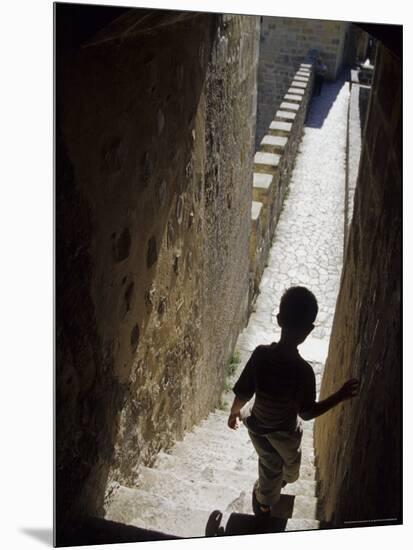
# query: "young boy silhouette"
284,387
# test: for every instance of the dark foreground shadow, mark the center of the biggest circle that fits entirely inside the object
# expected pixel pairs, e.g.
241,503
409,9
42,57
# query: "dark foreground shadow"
320,105
243,524
101,531
42,535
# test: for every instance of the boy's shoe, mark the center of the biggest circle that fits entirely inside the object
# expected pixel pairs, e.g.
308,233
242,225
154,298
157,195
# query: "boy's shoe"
258,508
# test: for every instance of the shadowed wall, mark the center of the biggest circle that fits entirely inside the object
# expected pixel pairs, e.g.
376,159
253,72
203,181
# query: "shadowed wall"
358,443
154,161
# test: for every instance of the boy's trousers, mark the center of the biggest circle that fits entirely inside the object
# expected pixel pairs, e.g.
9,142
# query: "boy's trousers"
279,459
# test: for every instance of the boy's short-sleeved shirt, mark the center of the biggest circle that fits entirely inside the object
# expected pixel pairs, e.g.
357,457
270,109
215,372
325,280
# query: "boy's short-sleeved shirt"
283,385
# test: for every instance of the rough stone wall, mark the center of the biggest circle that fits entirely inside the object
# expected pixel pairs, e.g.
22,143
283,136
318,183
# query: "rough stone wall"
230,118
358,444
154,164
285,43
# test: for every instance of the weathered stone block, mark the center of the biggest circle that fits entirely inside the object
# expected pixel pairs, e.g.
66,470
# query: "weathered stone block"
266,162
285,115
273,144
285,105
297,84
280,128
296,91
293,97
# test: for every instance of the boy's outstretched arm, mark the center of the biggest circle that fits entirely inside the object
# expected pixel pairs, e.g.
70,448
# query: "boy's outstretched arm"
235,412
347,391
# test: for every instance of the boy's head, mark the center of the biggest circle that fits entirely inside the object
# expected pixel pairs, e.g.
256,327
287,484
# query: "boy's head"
298,310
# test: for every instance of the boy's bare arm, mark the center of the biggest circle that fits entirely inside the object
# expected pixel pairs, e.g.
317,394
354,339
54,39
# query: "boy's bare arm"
235,412
347,391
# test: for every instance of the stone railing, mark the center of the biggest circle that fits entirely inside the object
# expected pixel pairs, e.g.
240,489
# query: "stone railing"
273,164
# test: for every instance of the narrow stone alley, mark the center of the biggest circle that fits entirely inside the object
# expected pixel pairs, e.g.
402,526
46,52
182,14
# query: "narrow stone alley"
215,467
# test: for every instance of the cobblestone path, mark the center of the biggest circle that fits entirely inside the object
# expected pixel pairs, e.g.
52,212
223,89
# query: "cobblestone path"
215,467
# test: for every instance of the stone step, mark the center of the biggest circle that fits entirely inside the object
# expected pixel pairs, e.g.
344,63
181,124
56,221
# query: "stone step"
228,442
302,73
180,461
234,454
180,490
272,144
279,128
243,445
287,106
217,435
266,162
219,484
243,462
305,66
284,115
148,511
221,496
243,480
215,428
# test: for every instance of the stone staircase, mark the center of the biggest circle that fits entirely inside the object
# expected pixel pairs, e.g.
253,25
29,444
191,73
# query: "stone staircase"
212,468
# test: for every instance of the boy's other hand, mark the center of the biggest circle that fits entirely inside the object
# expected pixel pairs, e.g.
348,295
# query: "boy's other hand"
349,389
233,420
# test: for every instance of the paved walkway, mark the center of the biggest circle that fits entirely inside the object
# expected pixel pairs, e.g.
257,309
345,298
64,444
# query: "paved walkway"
215,467
308,242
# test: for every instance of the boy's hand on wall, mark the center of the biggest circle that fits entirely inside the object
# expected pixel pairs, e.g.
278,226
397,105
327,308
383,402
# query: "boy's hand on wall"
349,389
